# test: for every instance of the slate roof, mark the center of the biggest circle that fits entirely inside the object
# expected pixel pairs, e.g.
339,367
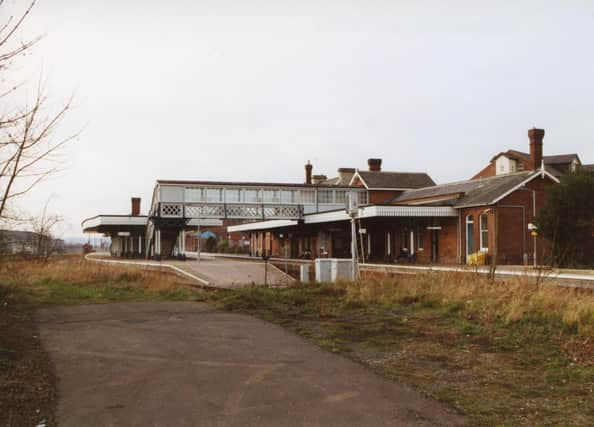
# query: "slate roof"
331,181
395,179
561,159
474,192
555,159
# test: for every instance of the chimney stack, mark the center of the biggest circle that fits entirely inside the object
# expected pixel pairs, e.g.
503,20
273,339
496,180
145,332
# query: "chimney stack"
308,170
375,165
318,179
135,206
345,175
536,136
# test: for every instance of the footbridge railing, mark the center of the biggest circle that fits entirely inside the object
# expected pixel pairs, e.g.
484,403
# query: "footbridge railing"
253,211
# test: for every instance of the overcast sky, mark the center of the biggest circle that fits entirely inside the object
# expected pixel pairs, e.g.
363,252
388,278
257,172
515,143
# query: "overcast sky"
250,90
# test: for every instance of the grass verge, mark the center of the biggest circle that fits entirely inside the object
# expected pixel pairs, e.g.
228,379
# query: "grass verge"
27,383
502,353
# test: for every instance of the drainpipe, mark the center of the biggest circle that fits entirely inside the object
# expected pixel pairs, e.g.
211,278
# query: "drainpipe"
459,254
495,236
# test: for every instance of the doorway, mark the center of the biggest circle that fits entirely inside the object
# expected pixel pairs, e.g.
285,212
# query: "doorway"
434,246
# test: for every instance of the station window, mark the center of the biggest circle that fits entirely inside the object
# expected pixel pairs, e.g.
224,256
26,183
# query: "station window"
404,240
232,195
251,196
362,198
484,224
308,197
193,194
288,196
341,196
214,195
420,238
325,196
270,196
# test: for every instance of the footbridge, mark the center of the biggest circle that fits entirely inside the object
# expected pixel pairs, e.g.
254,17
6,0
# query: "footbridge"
180,206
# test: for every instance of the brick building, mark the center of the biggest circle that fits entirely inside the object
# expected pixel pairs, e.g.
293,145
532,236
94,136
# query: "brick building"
399,216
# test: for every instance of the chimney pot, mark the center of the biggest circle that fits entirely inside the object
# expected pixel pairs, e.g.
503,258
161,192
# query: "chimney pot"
536,136
308,171
135,206
375,165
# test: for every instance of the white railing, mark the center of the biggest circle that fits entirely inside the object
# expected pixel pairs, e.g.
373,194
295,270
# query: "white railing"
253,211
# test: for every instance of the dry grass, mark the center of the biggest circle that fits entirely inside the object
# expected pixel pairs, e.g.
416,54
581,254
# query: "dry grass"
510,301
71,280
501,353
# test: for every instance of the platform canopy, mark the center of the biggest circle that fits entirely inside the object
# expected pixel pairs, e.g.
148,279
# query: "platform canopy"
113,223
108,224
373,211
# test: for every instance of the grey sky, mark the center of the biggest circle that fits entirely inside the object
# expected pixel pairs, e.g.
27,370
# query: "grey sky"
252,90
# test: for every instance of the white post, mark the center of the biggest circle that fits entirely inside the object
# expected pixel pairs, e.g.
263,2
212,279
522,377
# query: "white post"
158,243
183,242
198,241
354,248
534,215
352,211
412,242
140,244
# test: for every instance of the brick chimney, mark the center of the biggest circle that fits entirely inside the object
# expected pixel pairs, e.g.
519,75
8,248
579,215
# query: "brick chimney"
135,206
536,136
375,165
308,170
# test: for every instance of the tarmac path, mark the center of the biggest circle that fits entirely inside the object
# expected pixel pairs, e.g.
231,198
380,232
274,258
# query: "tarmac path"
187,364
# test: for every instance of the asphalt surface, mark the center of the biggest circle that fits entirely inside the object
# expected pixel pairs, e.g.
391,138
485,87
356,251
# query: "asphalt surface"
229,273
186,364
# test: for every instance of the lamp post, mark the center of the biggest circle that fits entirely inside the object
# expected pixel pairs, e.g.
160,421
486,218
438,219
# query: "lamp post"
352,212
534,233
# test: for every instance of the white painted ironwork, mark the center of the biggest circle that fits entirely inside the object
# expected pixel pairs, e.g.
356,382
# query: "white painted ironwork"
242,211
171,210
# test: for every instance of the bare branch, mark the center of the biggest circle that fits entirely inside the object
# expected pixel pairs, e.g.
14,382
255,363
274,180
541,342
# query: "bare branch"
17,25
28,152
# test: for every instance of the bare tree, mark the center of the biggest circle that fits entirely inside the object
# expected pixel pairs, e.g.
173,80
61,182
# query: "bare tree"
28,150
45,244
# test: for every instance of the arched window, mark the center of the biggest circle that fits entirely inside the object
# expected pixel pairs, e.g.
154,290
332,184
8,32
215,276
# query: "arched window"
484,230
469,235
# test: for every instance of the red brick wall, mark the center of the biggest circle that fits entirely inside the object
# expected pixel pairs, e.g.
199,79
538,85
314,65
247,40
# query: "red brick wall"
512,236
448,241
382,196
489,170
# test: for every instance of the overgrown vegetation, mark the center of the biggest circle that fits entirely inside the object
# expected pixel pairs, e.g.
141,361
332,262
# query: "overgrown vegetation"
502,353
27,384
567,220
72,280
